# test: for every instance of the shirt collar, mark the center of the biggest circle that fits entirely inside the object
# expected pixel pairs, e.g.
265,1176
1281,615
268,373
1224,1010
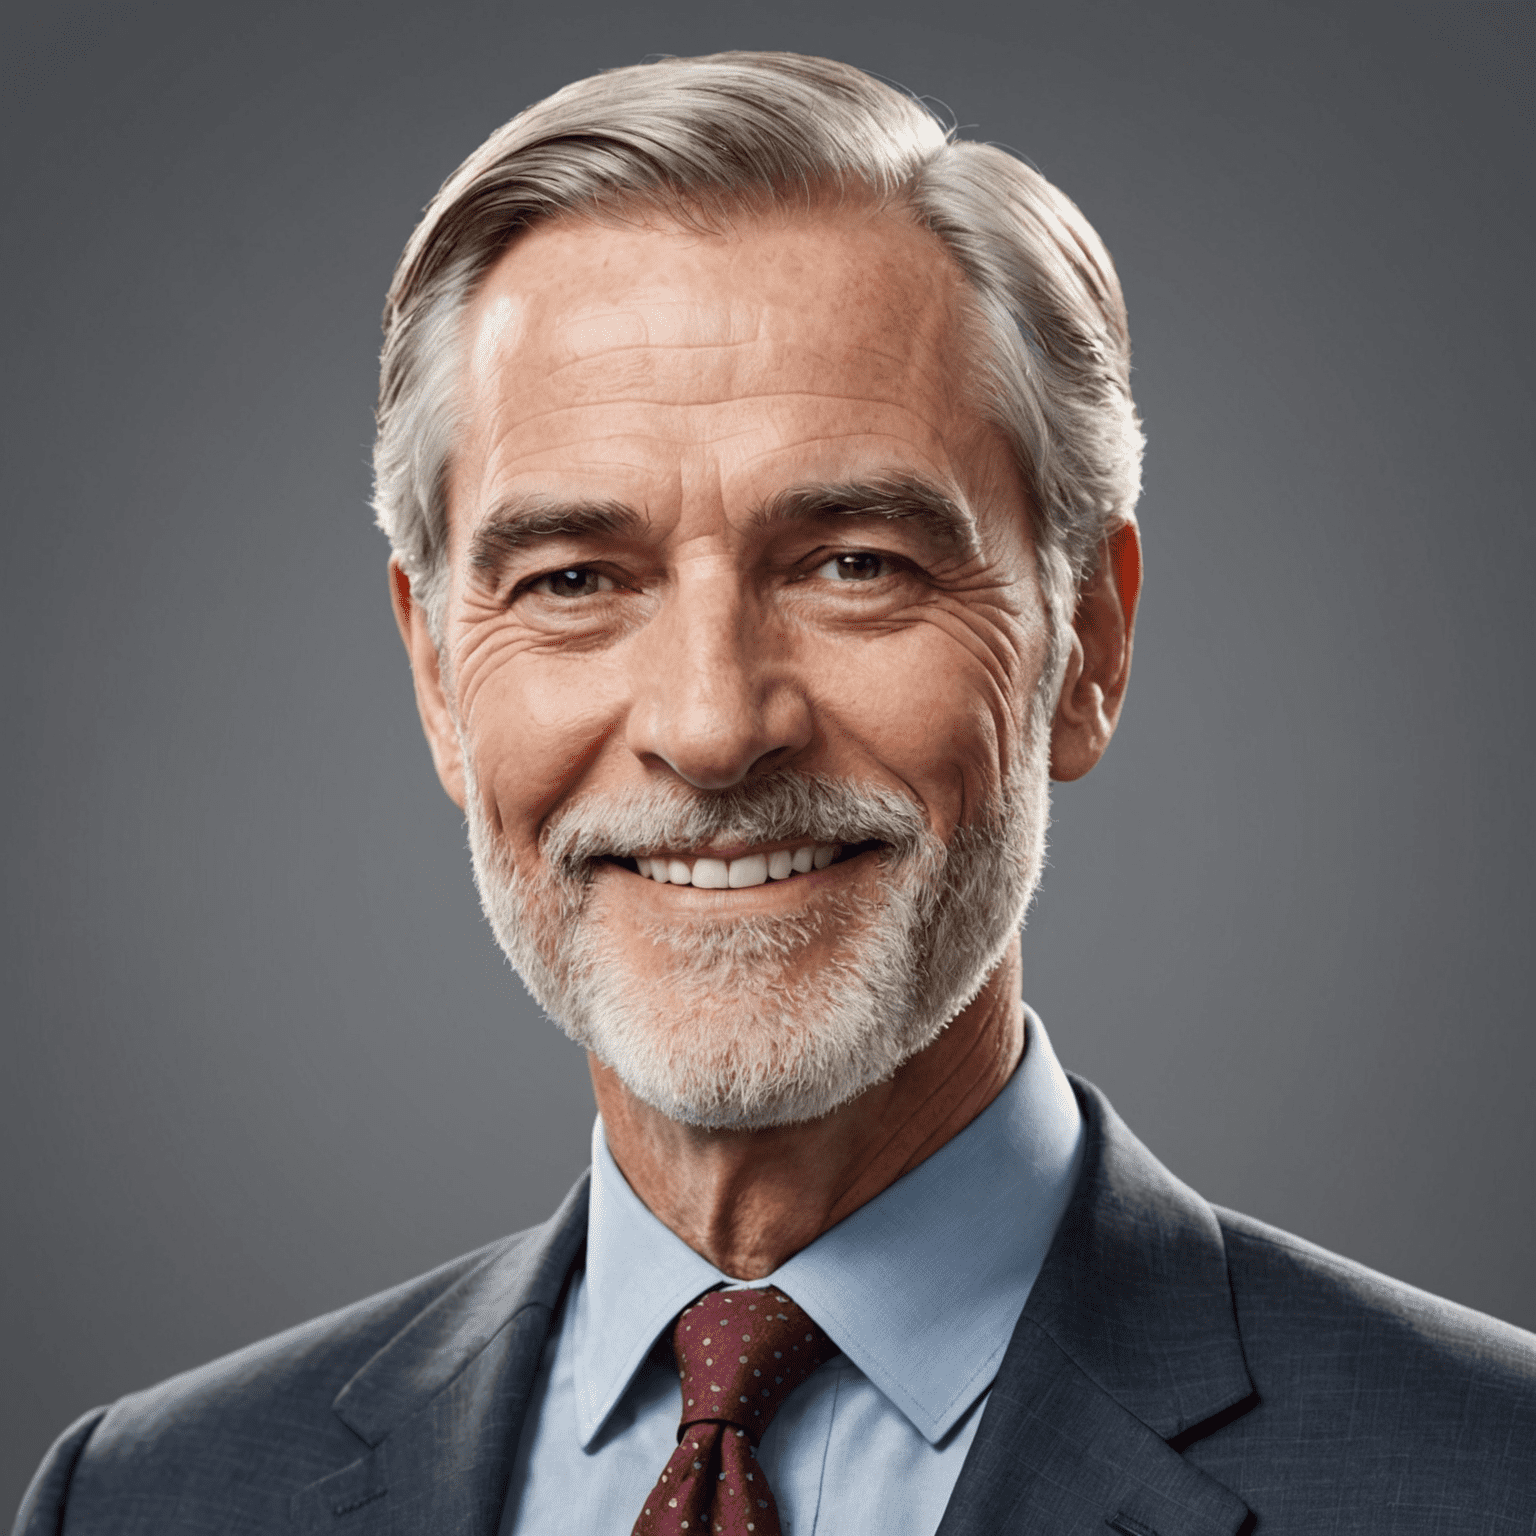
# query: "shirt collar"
920,1287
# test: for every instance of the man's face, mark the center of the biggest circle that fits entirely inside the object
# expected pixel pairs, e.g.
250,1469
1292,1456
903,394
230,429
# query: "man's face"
740,581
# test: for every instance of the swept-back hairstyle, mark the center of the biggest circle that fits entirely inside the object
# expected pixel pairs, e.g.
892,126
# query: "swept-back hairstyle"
703,138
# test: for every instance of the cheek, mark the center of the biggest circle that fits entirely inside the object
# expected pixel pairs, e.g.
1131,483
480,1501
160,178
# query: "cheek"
937,709
534,726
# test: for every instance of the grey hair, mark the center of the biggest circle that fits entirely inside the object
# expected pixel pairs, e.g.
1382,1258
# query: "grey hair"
701,138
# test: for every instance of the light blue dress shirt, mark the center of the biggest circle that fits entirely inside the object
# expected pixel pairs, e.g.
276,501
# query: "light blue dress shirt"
920,1289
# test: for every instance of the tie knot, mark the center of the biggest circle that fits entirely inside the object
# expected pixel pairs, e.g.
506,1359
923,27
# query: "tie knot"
741,1353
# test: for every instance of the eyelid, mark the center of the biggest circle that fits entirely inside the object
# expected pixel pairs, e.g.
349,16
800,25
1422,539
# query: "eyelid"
591,567
893,563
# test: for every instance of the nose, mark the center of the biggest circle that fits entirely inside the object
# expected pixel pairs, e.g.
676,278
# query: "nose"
714,692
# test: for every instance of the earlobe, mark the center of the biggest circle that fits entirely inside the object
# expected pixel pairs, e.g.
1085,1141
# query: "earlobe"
1099,660
432,703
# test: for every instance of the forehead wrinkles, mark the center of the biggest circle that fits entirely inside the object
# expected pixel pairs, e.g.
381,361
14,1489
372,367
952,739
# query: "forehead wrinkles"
582,289
651,320
797,427
728,434
629,416
714,356
823,328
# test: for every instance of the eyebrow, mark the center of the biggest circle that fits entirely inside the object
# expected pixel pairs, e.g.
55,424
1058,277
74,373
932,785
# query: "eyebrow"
894,498
521,522
526,520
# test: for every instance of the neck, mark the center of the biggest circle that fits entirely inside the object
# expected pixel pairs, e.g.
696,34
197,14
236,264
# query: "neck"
748,1200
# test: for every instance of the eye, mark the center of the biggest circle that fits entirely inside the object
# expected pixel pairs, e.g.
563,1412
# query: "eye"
858,565
574,581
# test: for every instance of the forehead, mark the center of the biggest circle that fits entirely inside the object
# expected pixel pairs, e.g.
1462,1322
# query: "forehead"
823,344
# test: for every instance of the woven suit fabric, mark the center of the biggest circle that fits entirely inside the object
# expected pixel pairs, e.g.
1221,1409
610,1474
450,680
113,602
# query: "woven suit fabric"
739,1354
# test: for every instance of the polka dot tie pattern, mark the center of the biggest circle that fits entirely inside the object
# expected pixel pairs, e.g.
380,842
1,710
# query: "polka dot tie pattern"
739,1354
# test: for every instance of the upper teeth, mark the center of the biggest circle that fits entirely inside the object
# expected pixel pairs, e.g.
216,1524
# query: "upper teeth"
737,874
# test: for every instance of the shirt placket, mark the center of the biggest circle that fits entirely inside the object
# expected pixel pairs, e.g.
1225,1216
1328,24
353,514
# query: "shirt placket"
795,1449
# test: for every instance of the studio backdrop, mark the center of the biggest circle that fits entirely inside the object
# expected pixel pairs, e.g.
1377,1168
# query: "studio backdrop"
261,1055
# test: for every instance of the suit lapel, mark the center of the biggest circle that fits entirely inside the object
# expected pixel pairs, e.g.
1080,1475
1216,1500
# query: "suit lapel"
1126,1354
441,1406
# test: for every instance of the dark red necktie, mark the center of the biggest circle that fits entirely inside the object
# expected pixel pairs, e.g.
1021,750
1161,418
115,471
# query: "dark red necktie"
740,1354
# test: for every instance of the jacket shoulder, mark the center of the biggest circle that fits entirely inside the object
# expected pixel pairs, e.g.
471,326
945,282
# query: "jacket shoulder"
1376,1402
277,1376
1287,1290
241,1433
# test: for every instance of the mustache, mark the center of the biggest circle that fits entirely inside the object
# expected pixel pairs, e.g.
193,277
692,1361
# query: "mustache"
781,805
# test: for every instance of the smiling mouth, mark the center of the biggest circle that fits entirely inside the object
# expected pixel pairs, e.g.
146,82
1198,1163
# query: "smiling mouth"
713,874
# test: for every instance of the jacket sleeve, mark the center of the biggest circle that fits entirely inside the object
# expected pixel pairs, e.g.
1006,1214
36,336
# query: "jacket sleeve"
42,1510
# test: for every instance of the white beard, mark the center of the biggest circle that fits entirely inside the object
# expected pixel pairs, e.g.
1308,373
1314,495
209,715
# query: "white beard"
743,1031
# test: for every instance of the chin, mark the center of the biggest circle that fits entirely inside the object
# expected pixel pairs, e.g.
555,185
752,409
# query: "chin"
746,1031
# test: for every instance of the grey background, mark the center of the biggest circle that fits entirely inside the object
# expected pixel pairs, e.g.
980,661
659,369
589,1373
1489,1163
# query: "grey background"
261,1056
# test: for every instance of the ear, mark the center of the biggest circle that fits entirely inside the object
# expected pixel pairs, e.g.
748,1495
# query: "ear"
1099,664
431,699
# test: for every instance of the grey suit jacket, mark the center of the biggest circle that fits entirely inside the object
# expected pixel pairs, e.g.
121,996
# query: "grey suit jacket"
1178,1371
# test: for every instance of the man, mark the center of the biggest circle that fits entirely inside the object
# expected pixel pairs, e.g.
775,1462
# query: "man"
760,470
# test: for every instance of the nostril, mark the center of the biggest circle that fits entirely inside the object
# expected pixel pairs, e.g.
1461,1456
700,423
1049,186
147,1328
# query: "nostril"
714,716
